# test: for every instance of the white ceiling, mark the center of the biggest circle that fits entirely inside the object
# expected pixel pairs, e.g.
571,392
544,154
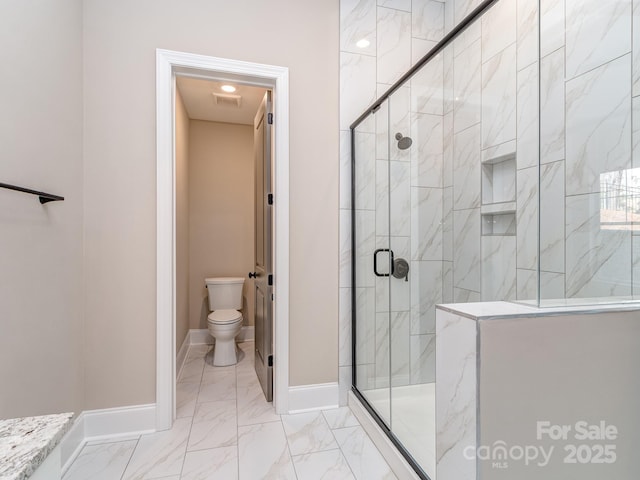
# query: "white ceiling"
198,98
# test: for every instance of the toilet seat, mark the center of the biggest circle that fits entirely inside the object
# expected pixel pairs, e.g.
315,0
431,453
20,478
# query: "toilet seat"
223,317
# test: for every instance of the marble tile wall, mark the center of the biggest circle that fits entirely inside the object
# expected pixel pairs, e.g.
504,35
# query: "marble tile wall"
393,185
486,98
456,395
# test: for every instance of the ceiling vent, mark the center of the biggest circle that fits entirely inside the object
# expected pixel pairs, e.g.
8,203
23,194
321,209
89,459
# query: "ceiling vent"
226,100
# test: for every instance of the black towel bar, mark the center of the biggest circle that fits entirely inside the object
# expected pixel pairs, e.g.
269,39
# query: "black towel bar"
44,197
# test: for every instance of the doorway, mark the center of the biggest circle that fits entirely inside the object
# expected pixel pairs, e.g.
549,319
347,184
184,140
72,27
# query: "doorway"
170,65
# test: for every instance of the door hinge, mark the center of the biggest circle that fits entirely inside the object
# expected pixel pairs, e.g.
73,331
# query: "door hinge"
272,297
270,118
270,361
270,280
270,199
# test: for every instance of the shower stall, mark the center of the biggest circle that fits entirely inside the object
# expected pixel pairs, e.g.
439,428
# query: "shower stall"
502,167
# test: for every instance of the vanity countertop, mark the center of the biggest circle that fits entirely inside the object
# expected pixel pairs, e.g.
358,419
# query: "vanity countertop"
26,442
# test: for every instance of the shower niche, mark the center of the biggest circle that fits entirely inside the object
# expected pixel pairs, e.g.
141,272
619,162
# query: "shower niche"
498,207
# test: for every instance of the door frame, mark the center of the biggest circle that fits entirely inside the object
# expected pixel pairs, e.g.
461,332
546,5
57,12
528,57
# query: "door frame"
168,65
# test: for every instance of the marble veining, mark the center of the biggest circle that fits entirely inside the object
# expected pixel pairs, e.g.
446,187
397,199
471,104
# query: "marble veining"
466,249
427,19
427,150
598,259
423,358
393,43
499,98
552,235
466,168
498,29
596,33
358,84
427,95
467,87
26,442
498,268
358,22
426,223
552,21
527,218
456,395
426,292
527,37
361,454
603,143
527,117
552,107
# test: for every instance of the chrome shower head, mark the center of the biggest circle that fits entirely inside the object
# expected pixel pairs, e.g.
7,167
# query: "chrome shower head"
403,142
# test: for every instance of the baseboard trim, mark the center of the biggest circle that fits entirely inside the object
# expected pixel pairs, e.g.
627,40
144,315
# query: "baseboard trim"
115,422
306,398
108,423
201,336
388,450
72,443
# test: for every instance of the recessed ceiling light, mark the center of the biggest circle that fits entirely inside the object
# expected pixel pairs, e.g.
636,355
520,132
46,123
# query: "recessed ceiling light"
228,88
363,43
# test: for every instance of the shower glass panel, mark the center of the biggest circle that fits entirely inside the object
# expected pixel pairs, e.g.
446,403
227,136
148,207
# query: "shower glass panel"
589,114
372,260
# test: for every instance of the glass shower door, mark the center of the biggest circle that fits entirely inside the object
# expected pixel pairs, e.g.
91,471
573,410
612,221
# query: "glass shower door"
372,261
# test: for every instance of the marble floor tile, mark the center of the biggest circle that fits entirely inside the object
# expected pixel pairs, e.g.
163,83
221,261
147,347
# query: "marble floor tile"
307,433
186,396
363,457
211,464
328,465
217,385
259,448
214,425
101,462
159,454
264,453
252,407
192,369
340,417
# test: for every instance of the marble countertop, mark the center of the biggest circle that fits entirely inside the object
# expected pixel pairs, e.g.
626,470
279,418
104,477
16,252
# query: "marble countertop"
26,442
502,310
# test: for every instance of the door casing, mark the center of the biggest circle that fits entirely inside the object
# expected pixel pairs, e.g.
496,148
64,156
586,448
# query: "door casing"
169,64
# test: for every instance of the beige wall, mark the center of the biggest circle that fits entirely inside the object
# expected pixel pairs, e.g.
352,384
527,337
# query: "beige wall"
41,246
182,221
221,212
120,38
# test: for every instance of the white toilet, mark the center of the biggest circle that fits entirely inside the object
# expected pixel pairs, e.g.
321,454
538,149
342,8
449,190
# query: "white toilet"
224,321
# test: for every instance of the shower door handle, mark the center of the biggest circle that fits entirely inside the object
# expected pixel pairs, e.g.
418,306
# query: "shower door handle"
375,262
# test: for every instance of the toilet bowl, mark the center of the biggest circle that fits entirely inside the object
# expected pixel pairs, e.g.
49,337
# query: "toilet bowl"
225,321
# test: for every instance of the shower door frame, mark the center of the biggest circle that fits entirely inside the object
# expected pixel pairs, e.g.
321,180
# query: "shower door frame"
441,45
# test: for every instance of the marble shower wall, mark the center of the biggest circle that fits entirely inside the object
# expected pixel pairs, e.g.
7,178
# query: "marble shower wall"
397,33
464,198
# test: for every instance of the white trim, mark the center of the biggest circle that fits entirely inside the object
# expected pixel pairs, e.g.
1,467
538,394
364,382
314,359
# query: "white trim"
247,334
168,64
307,398
72,443
201,336
113,423
388,450
108,423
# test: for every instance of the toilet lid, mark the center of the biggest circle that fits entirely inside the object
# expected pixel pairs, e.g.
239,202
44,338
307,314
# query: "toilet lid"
224,316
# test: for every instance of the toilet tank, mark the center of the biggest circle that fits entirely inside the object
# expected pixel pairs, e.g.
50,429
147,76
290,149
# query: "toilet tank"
225,293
